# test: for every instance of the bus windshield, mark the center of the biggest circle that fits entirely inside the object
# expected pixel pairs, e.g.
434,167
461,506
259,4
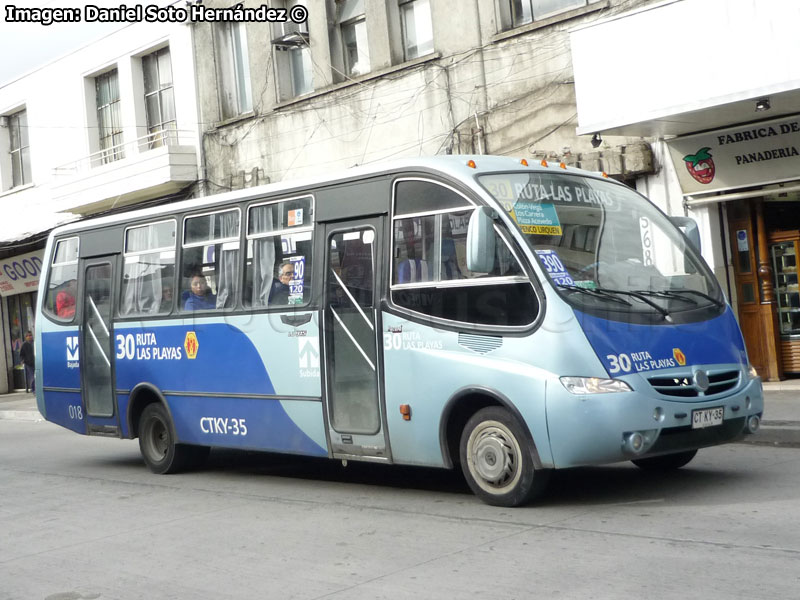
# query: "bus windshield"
605,248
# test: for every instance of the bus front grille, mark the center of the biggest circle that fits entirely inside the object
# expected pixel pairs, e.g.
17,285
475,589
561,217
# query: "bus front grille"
685,385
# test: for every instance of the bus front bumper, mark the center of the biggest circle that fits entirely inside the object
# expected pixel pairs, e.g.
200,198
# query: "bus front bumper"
597,429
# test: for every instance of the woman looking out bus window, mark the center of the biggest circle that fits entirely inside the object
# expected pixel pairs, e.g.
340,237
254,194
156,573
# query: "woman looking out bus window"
200,295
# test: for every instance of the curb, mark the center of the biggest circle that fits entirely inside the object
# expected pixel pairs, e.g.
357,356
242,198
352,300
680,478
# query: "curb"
783,434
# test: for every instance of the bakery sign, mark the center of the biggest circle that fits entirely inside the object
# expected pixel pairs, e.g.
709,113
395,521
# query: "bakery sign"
20,274
755,154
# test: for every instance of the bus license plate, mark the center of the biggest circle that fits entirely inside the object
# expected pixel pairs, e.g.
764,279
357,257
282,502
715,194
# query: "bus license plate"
707,417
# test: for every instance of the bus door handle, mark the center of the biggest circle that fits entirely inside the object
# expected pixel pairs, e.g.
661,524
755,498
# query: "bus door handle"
296,320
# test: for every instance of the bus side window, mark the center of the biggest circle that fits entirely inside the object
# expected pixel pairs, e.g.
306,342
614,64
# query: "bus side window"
62,282
148,275
210,261
430,249
279,250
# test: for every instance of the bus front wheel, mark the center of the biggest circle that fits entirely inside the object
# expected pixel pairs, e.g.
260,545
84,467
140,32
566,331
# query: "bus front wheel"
497,460
157,442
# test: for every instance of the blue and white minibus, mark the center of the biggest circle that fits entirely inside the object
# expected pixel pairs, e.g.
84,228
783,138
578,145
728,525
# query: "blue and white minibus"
479,312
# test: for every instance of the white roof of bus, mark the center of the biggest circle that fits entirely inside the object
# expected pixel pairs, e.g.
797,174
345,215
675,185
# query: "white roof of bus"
453,165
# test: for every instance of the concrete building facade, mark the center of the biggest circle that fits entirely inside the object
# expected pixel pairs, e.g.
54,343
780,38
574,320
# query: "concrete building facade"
366,80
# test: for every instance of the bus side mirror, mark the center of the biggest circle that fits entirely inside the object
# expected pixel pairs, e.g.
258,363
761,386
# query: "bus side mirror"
480,240
689,228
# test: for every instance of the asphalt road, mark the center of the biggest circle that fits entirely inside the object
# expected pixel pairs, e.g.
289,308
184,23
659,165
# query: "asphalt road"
81,518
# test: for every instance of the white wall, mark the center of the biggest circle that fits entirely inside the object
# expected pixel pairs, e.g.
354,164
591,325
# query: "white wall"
60,103
707,53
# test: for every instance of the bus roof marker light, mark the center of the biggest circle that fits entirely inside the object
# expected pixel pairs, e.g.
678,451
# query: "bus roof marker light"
544,162
523,162
405,410
563,165
605,174
471,164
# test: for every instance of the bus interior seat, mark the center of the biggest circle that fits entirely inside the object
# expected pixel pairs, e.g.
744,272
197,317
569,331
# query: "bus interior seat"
412,271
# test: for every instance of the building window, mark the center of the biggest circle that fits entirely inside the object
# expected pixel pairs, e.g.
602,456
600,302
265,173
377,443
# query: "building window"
522,12
415,19
233,66
293,66
353,33
19,149
109,117
159,99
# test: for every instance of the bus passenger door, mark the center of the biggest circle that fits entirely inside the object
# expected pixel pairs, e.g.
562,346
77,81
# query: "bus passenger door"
353,371
97,346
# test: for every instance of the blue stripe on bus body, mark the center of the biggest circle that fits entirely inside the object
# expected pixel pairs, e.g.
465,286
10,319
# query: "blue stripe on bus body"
716,341
60,359
225,360
64,408
249,423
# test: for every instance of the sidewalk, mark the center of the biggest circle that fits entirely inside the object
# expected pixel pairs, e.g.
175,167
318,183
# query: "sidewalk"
780,427
19,406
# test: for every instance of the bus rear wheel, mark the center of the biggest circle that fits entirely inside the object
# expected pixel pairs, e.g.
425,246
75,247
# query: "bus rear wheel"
666,462
497,461
157,443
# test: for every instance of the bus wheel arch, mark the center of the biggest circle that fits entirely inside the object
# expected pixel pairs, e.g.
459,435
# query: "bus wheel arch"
475,414
460,408
150,420
140,396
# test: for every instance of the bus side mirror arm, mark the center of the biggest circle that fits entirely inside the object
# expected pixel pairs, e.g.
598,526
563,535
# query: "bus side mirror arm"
481,240
689,228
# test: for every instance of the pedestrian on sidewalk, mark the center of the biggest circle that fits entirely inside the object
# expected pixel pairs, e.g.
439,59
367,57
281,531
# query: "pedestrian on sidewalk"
28,357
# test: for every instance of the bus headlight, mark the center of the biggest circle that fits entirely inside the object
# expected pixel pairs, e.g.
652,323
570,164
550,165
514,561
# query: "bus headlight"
751,371
594,385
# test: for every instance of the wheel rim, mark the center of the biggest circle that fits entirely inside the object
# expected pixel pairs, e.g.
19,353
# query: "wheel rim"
157,440
494,457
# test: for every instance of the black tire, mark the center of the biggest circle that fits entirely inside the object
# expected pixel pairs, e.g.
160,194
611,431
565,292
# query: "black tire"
497,459
157,442
666,462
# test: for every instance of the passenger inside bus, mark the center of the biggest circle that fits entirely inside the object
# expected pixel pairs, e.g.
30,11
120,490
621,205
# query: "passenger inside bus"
65,300
199,295
166,299
279,294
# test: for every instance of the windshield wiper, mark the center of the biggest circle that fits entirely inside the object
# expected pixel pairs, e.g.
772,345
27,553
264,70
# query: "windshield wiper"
666,294
696,293
664,312
597,293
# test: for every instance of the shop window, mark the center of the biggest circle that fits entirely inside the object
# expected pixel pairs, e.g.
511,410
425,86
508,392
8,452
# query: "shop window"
233,69
159,99
62,282
20,321
417,28
279,246
210,261
429,267
148,276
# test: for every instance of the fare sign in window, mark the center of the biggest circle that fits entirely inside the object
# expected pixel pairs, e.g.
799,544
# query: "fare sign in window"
554,267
